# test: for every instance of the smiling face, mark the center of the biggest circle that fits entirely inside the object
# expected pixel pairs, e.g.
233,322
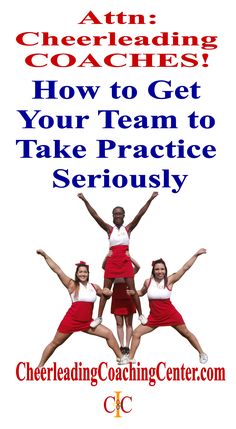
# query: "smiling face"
118,214
82,273
159,271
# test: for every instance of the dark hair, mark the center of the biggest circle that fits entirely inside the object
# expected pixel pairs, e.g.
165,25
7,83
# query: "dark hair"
81,264
160,261
118,207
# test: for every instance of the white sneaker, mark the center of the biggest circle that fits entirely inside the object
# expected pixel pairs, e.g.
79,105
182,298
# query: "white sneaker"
133,361
142,319
203,358
96,322
124,360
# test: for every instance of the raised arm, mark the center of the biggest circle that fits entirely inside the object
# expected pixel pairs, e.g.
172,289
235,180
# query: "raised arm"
141,212
56,269
94,214
176,276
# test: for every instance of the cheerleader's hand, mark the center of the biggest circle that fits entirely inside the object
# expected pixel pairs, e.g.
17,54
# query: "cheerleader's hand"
200,252
154,195
130,292
81,196
107,292
41,252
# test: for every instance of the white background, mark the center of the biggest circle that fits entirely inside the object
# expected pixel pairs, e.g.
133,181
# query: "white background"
176,225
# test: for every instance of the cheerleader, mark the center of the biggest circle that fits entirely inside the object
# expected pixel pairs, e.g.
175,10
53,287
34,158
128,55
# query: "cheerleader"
123,308
162,311
118,263
79,316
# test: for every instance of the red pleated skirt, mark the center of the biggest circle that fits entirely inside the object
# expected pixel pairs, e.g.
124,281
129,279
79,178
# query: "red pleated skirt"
118,264
163,313
121,304
77,318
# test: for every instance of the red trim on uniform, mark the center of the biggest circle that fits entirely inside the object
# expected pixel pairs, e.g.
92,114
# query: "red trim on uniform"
110,231
94,287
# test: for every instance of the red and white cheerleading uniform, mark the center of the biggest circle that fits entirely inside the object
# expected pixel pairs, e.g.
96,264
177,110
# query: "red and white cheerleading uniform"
122,304
118,265
79,315
162,311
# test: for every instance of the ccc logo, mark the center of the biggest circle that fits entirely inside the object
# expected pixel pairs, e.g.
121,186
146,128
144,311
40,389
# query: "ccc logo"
117,404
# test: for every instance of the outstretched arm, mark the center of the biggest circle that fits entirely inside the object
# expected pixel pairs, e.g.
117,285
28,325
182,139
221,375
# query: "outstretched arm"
141,212
100,291
94,214
55,268
176,276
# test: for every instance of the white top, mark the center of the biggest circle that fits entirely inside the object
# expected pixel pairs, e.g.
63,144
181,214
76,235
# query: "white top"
86,293
158,290
119,237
